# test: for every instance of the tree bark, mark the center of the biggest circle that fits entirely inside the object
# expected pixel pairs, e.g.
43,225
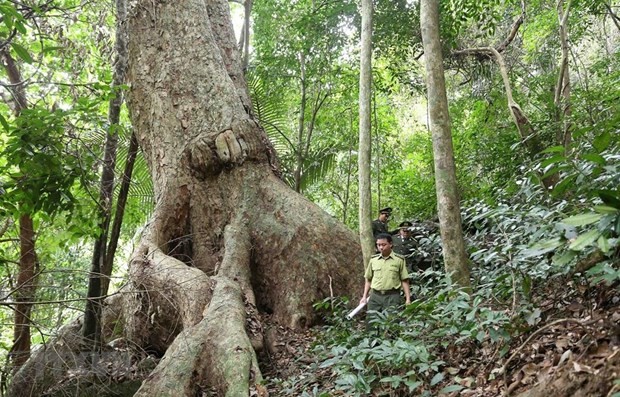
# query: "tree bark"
25,290
244,39
563,86
301,123
26,277
365,203
228,240
455,257
115,231
98,279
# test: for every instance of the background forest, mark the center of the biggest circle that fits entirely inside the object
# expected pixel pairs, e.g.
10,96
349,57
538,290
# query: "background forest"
534,99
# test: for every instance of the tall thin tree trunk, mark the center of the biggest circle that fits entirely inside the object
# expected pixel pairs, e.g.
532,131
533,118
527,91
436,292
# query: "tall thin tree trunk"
118,214
455,256
92,314
365,203
26,277
301,124
245,36
347,192
378,152
563,87
26,287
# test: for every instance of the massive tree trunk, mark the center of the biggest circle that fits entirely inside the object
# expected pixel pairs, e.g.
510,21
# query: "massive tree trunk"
455,257
228,239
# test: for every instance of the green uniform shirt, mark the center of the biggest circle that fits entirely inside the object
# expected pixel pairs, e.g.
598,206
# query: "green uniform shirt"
386,273
405,247
378,227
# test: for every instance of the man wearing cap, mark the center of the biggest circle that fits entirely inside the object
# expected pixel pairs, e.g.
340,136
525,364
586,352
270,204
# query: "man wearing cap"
385,276
379,225
405,245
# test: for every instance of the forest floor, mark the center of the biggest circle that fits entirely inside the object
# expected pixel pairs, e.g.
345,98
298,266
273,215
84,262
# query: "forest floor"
574,350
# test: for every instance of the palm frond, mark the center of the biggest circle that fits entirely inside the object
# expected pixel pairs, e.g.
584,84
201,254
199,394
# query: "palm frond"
141,188
318,164
270,113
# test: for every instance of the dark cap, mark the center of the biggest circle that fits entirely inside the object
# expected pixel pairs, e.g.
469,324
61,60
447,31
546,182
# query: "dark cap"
386,210
405,224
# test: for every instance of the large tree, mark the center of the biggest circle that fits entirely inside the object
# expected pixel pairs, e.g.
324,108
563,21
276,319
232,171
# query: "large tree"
228,239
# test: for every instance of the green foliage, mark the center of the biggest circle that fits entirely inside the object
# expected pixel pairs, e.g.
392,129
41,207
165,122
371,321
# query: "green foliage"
41,168
401,355
299,67
515,245
409,177
457,14
50,152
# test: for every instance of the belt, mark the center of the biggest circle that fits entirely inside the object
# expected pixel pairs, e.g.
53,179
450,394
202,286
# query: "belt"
387,291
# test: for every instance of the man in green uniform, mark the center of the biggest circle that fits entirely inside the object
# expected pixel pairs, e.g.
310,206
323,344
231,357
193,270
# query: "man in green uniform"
385,276
379,225
405,245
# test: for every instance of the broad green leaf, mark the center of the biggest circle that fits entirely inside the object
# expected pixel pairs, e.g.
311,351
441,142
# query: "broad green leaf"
4,123
595,158
533,317
542,247
552,171
564,258
20,27
584,240
610,197
605,209
7,13
602,141
412,385
604,272
582,219
527,285
554,149
437,378
603,244
552,160
22,53
451,388
561,187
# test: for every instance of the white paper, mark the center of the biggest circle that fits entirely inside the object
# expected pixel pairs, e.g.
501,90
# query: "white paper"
356,310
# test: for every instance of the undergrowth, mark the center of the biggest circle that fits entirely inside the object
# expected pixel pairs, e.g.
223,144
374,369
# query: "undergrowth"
518,244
